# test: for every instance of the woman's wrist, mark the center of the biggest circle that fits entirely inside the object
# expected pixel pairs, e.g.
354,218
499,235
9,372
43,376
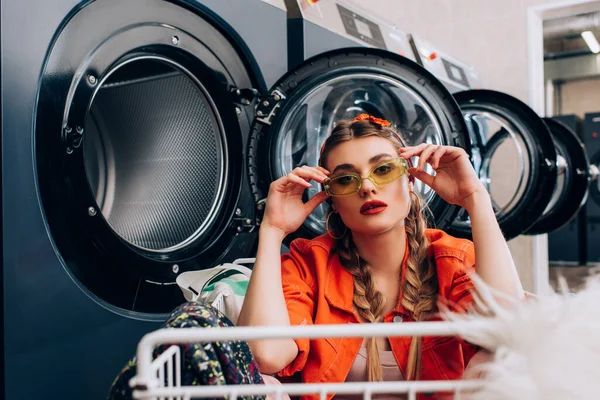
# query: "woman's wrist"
478,199
268,232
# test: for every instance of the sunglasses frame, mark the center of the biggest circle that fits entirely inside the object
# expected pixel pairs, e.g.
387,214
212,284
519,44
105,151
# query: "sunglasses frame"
398,160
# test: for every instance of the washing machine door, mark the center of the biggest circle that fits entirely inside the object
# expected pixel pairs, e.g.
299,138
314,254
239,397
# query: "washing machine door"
573,180
514,156
294,120
141,123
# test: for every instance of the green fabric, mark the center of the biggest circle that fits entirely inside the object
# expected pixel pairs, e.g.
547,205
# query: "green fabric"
239,287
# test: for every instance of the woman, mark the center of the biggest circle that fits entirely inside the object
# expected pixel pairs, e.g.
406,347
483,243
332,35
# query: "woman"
377,263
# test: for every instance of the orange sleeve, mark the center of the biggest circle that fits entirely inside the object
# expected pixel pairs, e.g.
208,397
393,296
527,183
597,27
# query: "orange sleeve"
462,289
297,276
461,296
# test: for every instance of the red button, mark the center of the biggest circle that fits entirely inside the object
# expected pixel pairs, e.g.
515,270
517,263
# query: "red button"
595,134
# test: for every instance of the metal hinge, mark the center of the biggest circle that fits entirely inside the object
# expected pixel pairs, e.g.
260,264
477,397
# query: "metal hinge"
243,225
260,204
243,97
268,106
72,137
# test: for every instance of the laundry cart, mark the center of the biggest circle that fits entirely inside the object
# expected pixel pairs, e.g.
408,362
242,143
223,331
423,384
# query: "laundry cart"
160,378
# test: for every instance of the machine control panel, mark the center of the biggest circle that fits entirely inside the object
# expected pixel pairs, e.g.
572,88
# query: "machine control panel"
347,18
361,27
446,68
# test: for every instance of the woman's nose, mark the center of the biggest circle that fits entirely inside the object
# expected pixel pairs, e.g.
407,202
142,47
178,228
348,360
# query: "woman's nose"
367,187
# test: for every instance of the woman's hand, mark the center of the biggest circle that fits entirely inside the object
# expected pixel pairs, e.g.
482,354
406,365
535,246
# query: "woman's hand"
455,180
285,210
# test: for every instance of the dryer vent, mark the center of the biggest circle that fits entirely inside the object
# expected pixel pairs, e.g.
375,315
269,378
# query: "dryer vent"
155,155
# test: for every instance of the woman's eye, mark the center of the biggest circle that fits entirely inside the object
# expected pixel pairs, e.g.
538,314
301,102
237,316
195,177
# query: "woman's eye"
344,180
383,169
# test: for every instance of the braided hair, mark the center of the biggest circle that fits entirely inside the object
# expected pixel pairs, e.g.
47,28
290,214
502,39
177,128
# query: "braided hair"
419,285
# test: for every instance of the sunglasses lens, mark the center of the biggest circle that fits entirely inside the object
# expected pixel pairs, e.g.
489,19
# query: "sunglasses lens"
389,171
345,184
382,174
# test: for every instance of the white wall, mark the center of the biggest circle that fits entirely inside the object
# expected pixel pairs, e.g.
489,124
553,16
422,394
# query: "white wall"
490,35
580,97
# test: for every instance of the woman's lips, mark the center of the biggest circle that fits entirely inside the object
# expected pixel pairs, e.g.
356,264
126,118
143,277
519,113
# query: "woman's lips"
372,207
372,211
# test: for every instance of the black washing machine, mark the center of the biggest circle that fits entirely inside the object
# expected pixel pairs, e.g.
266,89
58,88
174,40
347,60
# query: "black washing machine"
369,68
591,138
568,244
531,168
535,169
125,127
509,145
514,156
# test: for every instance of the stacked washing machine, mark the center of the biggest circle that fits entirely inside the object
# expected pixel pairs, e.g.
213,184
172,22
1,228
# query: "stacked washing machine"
125,127
591,138
351,62
568,245
332,78
139,139
577,242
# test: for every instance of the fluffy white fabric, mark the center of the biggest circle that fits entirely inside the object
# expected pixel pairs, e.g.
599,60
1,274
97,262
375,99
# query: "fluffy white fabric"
546,348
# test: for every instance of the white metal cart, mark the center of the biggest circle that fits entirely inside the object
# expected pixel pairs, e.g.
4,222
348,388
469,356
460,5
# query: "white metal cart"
161,378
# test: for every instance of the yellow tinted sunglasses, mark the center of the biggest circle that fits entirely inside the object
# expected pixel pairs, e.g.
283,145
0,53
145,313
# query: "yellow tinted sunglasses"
381,174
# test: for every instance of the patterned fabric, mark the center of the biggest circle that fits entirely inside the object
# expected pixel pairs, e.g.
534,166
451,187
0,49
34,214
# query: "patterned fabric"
220,363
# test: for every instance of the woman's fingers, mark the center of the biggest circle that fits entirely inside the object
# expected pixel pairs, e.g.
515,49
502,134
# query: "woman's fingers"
430,153
315,201
422,176
293,178
308,173
434,160
301,176
323,170
410,151
424,156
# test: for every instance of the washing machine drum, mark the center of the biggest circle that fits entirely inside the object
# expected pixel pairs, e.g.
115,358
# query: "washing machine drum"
573,180
155,156
138,141
515,157
300,112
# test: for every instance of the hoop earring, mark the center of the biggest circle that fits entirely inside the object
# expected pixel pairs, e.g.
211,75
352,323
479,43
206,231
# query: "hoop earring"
418,199
328,230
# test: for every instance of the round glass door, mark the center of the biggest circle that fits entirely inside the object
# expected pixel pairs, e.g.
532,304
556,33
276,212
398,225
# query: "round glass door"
137,142
305,128
514,156
326,94
573,180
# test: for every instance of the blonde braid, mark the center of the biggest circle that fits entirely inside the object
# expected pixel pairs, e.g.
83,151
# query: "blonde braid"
368,301
419,290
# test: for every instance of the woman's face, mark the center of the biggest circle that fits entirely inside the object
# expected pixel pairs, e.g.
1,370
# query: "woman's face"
373,209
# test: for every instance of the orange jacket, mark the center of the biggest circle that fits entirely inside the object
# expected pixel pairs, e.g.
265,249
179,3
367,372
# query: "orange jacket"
318,290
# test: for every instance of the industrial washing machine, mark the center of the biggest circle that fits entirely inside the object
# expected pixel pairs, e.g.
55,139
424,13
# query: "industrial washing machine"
591,138
125,127
568,244
503,136
535,189
535,171
337,76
